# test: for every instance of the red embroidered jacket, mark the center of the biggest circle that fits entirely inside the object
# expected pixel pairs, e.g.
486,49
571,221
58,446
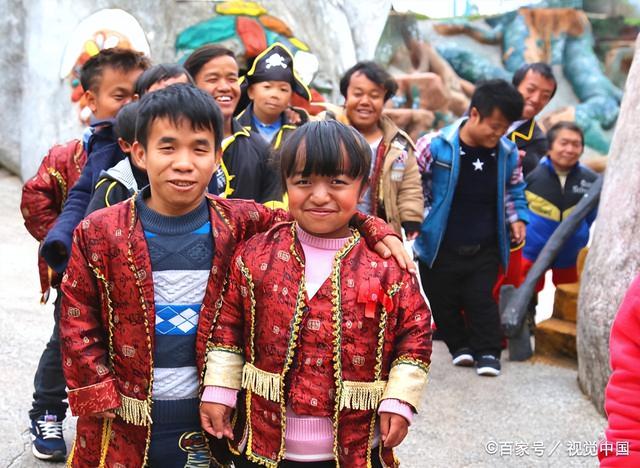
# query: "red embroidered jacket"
107,321
44,194
381,345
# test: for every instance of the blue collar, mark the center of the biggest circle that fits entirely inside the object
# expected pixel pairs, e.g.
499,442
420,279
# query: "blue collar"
272,128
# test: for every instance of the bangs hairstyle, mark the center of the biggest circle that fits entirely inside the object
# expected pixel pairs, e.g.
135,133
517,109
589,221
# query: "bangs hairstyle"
328,148
124,60
159,73
497,94
125,124
180,103
200,57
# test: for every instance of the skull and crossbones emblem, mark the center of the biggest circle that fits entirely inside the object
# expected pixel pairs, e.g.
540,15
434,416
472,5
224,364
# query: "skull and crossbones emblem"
275,60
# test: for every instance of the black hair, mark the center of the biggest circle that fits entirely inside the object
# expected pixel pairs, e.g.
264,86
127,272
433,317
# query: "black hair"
179,102
200,57
497,94
541,68
553,132
120,59
158,73
323,145
125,124
373,72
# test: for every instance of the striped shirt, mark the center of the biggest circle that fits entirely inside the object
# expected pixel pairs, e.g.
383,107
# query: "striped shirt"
181,251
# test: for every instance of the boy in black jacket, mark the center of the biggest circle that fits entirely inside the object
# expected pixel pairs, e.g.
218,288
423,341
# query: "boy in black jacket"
125,178
269,85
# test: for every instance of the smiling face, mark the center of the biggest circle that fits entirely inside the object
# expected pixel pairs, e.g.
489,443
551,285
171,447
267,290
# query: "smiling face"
219,77
180,162
270,99
536,90
323,205
364,102
566,150
114,91
484,132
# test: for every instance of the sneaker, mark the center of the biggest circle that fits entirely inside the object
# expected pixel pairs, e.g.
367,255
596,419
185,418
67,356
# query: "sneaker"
488,365
463,358
47,442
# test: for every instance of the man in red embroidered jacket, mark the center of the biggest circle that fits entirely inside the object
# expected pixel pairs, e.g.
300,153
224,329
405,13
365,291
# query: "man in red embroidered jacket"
113,321
42,198
44,194
108,85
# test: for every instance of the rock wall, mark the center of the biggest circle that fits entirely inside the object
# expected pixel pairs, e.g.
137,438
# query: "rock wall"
339,32
37,110
12,30
614,256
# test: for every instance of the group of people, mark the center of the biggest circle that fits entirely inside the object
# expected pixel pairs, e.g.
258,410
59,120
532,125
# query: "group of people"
231,281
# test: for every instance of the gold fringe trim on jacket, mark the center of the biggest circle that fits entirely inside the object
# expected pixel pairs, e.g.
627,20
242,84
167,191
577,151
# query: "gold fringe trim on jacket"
134,411
263,383
361,395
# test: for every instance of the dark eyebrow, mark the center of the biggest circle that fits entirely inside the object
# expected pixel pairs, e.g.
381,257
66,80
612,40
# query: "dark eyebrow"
202,141
167,139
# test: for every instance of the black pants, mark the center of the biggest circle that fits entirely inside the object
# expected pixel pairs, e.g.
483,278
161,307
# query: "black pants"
459,283
242,462
49,384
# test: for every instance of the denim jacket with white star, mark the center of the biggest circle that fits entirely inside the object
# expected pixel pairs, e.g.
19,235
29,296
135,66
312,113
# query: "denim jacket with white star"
439,163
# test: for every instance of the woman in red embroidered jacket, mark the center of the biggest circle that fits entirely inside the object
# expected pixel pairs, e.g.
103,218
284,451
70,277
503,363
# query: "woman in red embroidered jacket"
321,346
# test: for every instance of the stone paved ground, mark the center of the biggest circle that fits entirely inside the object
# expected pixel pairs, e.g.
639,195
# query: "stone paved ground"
466,421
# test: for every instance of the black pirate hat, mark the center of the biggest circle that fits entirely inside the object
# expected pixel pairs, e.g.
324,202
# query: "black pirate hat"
275,64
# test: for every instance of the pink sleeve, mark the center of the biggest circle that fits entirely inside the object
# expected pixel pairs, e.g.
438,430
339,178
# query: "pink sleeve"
222,395
391,405
622,395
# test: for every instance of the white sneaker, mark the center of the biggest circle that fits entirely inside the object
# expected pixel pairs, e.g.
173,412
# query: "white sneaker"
462,358
488,365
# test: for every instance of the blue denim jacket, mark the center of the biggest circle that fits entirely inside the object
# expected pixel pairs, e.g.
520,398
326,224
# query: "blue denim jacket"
440,176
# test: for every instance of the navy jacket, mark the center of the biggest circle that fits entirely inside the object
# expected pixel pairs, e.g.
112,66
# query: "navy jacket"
245,118
246,170
550,203
104,153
